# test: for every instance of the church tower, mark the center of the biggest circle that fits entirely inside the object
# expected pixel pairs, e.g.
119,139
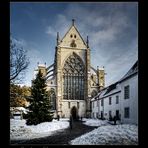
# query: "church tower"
101,77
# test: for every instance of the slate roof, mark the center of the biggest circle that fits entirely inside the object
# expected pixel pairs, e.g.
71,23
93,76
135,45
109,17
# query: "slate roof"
110,88
131,72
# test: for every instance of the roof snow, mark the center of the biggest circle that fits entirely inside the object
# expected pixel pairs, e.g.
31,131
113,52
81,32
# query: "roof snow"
42,65
131,72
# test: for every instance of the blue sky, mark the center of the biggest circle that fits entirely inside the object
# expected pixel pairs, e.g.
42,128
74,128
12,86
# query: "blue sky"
112,29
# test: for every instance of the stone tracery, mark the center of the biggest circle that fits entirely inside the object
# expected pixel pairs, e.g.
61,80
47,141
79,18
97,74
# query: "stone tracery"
73,78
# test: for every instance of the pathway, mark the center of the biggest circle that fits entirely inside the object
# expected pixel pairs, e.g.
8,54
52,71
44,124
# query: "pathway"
61,136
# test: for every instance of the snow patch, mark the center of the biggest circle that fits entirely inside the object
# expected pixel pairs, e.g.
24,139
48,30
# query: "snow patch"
125,134
95,122
19,129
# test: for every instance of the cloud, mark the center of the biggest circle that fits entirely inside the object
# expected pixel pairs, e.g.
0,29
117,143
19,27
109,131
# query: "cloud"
112,31
112,35
117,65
19,42
61,25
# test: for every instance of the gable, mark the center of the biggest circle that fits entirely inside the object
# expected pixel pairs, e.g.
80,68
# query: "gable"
73,39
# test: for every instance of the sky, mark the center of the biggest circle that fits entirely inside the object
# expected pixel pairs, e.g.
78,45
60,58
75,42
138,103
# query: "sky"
112,28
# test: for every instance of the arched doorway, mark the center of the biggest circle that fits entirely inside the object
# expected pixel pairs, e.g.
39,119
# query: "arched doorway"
74,112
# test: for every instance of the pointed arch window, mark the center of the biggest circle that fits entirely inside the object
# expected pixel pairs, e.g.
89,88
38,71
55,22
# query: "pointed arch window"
52,98
73,78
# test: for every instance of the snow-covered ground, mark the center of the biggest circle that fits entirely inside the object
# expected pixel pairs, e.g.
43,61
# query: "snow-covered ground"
105,134
95,122
124,134
19,129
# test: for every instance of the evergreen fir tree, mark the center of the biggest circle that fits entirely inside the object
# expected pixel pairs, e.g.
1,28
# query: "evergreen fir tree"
39,108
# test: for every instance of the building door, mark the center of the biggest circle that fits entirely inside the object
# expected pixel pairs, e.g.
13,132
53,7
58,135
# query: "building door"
101,114
117,114
74,112
110,116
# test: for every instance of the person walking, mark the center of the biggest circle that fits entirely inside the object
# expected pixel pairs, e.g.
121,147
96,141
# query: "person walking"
71,122
58,117
115,120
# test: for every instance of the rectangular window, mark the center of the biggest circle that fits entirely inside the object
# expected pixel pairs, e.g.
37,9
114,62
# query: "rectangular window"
110,100
126,92
97,102
117,99
93,104
102,102
68,104
126,112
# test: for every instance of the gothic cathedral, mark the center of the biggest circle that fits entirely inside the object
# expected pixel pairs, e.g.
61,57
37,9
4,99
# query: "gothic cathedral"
71,80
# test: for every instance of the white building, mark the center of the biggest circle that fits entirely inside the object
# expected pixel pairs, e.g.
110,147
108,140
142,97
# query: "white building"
120,99
129,95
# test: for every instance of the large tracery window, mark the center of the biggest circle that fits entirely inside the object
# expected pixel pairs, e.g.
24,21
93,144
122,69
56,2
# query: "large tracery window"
73,78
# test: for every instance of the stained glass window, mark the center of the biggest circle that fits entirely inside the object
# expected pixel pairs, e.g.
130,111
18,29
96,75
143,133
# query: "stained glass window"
73,78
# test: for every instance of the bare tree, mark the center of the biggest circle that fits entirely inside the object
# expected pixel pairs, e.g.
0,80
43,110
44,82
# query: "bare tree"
18,61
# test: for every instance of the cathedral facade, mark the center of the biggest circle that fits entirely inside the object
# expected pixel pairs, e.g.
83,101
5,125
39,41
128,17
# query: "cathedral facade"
71,80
